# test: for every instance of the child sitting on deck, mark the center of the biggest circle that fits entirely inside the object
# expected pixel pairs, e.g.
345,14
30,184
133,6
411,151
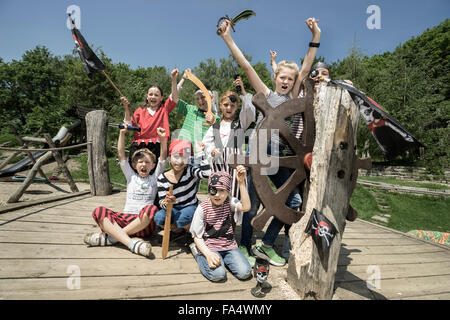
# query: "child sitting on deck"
137,216
183,177
213,232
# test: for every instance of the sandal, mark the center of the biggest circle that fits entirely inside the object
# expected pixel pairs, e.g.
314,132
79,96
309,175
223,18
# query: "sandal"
144,248
97,240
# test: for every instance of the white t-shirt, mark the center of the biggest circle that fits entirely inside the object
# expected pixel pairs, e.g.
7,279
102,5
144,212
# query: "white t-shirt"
140,191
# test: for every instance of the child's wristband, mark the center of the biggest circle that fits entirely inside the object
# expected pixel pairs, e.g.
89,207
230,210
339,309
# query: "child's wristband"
314,44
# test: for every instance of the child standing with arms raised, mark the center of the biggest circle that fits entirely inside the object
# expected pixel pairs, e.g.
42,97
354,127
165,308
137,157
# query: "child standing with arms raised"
154,113
288,80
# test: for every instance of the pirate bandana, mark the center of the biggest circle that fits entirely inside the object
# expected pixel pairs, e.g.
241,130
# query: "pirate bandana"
314,73
219,180
180,146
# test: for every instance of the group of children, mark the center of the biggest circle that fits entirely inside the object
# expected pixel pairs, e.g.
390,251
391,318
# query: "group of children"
201,152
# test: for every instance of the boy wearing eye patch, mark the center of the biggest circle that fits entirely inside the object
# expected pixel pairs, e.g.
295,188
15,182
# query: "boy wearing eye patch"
213,231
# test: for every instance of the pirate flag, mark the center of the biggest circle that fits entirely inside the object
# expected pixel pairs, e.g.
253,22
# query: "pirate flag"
321,230
91,62
390,135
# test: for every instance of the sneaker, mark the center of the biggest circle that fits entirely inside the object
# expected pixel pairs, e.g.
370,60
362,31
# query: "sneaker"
251,259
97,239
268,254
194,249
144,248
286,248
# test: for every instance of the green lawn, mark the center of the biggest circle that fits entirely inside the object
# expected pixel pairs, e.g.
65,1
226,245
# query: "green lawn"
408,212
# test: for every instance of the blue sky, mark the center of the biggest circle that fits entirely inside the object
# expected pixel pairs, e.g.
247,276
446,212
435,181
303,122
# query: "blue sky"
182,33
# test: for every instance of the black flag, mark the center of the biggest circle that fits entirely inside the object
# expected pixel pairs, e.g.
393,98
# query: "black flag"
90,61
321,230
390,135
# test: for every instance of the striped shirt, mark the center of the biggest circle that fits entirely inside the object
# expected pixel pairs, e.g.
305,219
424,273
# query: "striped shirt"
184,190
213,224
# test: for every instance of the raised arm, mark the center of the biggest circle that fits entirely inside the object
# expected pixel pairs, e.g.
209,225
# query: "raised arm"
127,110
174,94
313,26
121,145
252,76
273,63
163,143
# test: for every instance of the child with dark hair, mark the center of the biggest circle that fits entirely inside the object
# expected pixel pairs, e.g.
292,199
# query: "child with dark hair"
136,219
152,114
183,178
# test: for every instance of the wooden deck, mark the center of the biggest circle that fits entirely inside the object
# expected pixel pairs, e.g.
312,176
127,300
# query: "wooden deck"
43,253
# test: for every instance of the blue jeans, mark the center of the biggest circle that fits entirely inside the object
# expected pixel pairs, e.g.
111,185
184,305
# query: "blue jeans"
247,229
180,216
233,259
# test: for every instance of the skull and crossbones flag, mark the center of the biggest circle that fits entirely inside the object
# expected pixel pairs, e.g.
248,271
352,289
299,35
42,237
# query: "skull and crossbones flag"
91,62
321,230
391,136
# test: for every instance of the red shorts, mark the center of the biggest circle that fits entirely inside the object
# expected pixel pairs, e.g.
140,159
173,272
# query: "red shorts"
124,219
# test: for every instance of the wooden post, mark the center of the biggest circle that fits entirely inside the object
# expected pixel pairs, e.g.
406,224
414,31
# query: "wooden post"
310,274
96,131
61,163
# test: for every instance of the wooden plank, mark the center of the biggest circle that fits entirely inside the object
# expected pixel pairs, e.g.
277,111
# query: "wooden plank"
379,242
47,227
133,265
131,287
383,249
388,258
51,218
354,273
402,288
81,251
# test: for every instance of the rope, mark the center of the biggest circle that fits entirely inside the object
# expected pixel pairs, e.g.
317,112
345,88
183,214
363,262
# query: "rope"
49,149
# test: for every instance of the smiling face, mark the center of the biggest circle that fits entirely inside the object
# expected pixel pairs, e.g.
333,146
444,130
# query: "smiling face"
143,163
179,161
284,79
228,105
219,197
154,97
201,101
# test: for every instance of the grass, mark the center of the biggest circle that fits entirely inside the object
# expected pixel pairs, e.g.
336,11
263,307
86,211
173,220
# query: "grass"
399,182
408,212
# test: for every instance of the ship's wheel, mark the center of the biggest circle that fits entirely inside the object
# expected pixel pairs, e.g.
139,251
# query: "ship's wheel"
274,118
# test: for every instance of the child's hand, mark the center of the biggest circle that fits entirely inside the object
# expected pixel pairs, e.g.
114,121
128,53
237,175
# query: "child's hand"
161,133
313,26
213,260
169,199
174,74
125,101
184,74
273,55
241,174
238,82
225,28
215,152
209,118
124,130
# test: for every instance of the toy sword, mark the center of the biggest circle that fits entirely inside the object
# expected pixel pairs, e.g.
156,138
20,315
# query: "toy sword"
121,126
202,87
166,235
244,15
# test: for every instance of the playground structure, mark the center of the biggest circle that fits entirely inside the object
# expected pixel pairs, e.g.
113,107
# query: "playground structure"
40,157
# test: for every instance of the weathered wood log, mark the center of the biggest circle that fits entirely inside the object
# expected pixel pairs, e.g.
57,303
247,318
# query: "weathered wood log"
22,142
96,131
310,273
61,163
36,167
